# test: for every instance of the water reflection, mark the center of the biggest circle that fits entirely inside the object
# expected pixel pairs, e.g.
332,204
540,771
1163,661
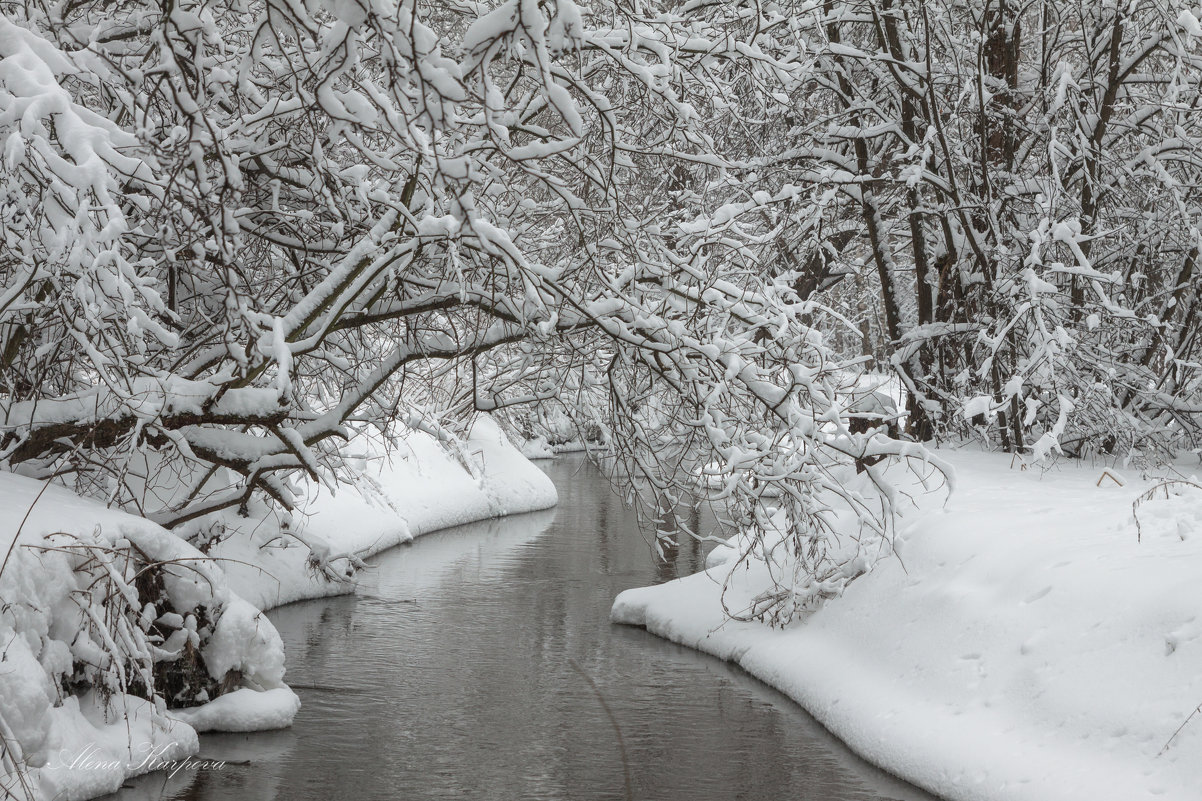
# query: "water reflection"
457,673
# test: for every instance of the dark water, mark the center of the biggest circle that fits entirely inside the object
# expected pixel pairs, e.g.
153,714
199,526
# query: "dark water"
480,663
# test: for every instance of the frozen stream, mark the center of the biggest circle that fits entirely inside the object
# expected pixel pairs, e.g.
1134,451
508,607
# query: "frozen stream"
462,671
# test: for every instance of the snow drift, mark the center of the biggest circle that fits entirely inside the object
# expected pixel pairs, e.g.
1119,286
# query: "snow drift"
1025,644
416,487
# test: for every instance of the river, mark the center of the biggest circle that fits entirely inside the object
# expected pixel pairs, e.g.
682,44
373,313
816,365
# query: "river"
479,663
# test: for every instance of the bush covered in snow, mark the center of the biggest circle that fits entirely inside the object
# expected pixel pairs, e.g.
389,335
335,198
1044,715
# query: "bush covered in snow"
109,622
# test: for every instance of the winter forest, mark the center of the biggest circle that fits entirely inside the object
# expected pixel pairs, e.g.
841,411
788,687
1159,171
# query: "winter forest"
880,317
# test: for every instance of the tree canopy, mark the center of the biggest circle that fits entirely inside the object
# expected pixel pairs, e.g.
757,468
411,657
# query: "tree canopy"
236,231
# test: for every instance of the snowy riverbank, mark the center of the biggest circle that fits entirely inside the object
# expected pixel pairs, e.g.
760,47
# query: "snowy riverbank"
1025,646
417,488
61,629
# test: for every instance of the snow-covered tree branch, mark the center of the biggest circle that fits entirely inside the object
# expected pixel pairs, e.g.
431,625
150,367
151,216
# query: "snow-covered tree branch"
237,231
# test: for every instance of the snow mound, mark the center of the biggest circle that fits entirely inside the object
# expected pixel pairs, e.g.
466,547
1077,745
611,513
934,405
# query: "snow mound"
74,670
244,710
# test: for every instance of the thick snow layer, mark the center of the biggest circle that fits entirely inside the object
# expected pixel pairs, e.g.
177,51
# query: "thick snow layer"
1022,645
419,487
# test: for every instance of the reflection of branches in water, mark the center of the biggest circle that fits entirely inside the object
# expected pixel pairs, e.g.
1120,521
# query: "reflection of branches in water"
668,558
678,506
614,721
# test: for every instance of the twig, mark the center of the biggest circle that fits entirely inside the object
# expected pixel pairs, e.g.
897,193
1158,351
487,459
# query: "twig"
11,753
1149,494
21,527
1197,709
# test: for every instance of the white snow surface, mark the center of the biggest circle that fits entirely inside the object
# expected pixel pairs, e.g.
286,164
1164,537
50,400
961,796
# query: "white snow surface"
1022,644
